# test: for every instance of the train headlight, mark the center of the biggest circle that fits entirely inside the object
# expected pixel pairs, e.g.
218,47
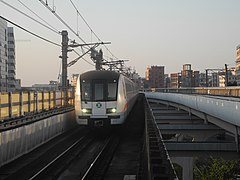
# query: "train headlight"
114,110
111,110
87,111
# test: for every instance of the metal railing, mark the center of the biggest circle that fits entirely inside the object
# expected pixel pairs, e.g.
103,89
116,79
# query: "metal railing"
155,158
16,104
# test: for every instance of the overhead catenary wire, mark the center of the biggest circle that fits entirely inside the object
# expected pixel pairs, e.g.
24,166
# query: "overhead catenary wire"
39,17
7,4
76,33
60,19
91,28
92,32
34,34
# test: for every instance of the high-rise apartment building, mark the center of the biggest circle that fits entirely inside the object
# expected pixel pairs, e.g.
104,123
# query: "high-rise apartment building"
8,80
187,76
11,60
196,79
3,56
238,65
155,76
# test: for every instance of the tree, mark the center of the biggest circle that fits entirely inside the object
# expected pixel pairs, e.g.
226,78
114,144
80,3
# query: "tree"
218,168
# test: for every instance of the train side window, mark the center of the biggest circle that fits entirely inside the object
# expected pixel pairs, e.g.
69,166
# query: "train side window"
86,91
128,87
112,88
99,91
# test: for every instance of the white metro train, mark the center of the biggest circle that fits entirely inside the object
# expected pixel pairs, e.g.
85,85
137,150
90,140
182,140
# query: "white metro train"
104,98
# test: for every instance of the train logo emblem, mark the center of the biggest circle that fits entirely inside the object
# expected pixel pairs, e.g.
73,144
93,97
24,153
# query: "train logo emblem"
98,105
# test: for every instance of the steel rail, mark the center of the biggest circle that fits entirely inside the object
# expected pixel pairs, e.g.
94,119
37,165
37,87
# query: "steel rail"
57,158
95,160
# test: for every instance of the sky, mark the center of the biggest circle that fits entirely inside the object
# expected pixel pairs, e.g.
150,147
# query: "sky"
167,33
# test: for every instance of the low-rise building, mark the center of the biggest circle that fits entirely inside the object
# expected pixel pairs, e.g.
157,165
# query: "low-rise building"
202,80
231,78
175,80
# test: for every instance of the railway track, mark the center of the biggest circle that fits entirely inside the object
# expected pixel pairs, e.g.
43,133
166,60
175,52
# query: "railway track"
89,157
84,155
62,161
25,166
100,164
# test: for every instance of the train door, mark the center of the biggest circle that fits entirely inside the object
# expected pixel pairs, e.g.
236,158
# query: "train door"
99,96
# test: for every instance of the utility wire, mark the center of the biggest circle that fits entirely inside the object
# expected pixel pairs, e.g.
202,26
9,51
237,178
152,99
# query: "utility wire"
46,5
31,32
91,28
53,11
29,16
39,17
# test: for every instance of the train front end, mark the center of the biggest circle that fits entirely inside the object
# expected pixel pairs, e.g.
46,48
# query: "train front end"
96,99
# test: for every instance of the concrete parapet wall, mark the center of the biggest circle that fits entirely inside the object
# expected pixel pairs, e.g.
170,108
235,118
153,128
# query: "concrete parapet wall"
21,140
226,109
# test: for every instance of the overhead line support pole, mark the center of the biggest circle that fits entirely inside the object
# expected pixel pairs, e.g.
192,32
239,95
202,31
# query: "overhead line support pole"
64,65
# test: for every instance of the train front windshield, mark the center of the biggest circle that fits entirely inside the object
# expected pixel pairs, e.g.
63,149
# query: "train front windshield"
99,90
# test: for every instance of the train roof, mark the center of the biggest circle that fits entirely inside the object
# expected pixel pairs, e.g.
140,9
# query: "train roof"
100,75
